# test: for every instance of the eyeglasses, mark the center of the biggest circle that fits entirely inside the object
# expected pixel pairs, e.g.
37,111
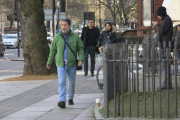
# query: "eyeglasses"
90,22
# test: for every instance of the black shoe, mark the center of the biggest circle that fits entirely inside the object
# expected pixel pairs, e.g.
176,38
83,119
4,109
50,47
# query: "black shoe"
85,74
164,87
62,104
92,74
70,102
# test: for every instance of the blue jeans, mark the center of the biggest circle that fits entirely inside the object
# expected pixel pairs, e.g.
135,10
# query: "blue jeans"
62,72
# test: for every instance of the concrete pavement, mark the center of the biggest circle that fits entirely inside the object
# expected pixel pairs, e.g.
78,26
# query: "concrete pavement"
37,100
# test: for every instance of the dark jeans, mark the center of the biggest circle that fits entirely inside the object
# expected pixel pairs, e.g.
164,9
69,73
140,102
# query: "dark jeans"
167,68
89,50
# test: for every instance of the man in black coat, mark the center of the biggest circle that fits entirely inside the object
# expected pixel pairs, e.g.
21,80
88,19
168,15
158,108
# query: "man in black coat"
165,30
90,36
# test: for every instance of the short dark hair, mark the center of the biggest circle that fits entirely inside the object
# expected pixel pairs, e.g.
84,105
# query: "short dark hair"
90,19
178,25
67,20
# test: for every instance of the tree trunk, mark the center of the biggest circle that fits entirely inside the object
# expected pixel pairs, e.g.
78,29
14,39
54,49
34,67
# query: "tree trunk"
34,36
11,23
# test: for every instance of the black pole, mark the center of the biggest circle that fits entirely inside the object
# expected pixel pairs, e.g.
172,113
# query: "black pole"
114,14
18,39
53,20
16,8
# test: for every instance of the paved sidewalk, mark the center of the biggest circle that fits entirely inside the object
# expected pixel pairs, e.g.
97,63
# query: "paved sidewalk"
30,100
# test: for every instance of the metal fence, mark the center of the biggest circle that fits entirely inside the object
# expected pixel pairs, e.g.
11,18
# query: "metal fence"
126,74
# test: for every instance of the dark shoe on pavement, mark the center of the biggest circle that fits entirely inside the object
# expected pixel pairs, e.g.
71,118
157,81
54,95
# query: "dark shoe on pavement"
92,74
62,104
85,74
70,102
164,87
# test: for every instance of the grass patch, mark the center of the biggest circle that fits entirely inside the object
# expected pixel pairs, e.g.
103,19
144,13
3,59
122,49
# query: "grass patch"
164,97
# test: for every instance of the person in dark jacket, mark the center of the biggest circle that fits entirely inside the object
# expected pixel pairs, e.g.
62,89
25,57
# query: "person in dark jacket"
108,35
90,36
178,42
165,30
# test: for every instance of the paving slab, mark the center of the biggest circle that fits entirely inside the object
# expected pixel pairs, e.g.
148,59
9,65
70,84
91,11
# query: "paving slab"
67,111
56,116
9,118
84,118
38,109
89,96
44,104
24,114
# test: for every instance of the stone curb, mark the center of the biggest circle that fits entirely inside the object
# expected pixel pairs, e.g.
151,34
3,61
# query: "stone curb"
10,76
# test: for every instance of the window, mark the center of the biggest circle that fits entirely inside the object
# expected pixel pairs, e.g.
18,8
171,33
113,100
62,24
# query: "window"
146,10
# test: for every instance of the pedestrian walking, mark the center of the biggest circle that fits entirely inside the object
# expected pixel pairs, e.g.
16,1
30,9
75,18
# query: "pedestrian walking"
90,36
66,60
165,31
108,36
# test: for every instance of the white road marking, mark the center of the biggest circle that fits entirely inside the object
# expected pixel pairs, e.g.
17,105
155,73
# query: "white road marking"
8,54
11,50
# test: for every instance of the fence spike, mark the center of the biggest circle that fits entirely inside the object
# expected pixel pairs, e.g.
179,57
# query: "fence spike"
167,53
175,44
170,44
121,53
159,53
159,44
148,46
164,44
126,41
114,54
142,44
144,52
153,44
137,46
131,45
129,52
175,52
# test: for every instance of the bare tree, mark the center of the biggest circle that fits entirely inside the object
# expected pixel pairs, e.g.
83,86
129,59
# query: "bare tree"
121,10
75,10
127,9
35,46
111,5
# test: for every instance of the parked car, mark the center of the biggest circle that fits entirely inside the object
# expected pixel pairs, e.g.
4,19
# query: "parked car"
10,41
2,46
49,37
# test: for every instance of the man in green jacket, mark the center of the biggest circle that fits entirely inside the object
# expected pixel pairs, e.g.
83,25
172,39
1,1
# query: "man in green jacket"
66,62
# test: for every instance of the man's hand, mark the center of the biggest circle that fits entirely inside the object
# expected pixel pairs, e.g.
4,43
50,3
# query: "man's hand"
154,23
80,63
48,67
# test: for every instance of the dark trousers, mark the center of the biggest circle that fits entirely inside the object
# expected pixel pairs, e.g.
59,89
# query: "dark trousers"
167,68
89,50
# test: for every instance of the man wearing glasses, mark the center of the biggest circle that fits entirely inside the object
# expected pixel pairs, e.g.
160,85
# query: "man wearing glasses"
90,36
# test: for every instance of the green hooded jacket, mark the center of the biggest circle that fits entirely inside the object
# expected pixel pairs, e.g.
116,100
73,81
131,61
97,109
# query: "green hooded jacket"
58,46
